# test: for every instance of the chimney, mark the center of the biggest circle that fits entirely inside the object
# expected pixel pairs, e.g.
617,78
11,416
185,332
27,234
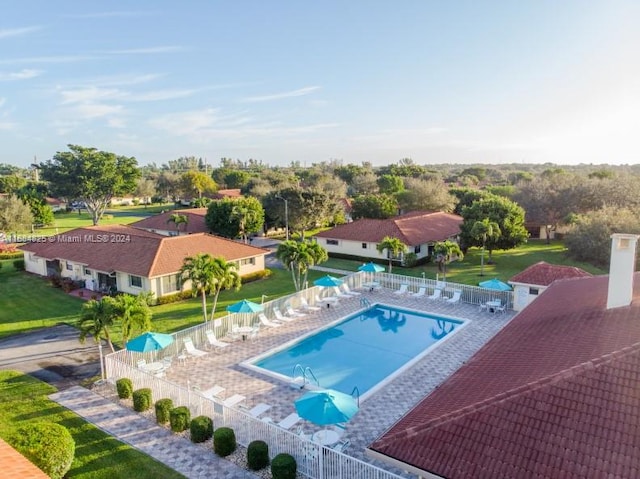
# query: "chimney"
621,269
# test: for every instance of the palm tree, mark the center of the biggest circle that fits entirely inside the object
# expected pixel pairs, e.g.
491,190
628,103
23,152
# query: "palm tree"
134,314
96,317
178,219
298,257
394,248
225,277
199,270
445,252
484,230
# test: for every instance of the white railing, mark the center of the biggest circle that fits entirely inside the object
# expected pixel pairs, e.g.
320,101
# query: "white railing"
313,460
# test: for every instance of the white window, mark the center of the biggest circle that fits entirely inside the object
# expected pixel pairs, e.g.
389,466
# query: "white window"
135,281
170,284
69,266
333,242
87,272
534,291
247,261
364,245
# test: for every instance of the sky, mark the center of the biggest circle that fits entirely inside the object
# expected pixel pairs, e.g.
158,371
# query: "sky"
530,81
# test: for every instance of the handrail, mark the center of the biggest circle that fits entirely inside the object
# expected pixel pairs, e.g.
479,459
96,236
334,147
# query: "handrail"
364,302
356,391
308,369
302,374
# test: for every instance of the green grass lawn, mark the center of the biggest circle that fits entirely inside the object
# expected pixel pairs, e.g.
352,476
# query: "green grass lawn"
98,455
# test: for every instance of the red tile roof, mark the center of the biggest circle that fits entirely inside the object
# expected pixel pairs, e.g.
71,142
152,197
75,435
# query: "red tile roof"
543,274
412,229
160,222
136,251
554,394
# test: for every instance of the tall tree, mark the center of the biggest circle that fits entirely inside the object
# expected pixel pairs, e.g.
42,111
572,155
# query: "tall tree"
225,276
394,248
445,252
195,183
14,215
483,230
134,314
428,195
509,217
298,257
233,217
374,206
91,176
96,320
199,270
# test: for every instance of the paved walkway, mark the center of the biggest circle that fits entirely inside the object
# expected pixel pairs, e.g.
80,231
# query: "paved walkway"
176,452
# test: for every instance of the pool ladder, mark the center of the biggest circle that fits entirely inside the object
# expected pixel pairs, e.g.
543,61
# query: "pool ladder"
305,374
355,392
365,303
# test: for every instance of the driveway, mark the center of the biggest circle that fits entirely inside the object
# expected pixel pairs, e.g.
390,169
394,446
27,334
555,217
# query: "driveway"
53,355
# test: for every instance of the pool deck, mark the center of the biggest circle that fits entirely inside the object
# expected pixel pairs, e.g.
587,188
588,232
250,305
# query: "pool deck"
379,411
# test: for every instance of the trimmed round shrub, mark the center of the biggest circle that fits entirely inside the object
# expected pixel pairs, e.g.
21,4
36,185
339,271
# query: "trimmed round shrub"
201,429
124,386
257,455
48,445
284,466
142,399
179,418
163,408
224,441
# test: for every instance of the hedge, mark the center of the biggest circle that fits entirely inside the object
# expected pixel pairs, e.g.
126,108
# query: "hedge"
18,264
248,278
257,455
201,429
142,399
124,386
163,408
284,466
224,441
179,417
48,445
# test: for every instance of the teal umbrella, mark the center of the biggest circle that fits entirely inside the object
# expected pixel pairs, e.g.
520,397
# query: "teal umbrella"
326,406
245,306
149,342
328,281
371,267
495,284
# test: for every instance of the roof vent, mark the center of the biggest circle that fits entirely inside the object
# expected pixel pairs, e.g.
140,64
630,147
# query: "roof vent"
621,269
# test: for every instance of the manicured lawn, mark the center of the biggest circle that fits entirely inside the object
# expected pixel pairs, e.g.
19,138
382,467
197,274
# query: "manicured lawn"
98,455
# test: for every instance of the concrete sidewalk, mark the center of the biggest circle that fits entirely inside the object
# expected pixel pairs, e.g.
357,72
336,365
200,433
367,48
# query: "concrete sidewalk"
176,452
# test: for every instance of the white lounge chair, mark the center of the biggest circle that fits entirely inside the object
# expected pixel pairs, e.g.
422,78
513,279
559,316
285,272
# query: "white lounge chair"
347,290
267,322
289,421
293,313
421,292
259,409
215,342
214,392
281,317
341,446
455,299
234,400
191,349
307,307
234,334
327,299
339,294
437,294
404,289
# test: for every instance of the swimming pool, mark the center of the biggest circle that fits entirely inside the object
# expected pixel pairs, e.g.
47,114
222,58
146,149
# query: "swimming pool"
364,350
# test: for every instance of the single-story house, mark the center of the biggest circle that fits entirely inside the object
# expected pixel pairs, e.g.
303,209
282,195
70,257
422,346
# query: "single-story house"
553,394
56,204
131,259
161,223
532,281
419,230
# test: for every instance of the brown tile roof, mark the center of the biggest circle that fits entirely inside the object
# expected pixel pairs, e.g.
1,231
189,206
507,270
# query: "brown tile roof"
136,251
543,274
16,465
412,229
554,394
228,193
161,221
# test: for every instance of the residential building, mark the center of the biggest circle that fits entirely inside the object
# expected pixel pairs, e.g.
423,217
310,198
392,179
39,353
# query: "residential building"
132,260
162,223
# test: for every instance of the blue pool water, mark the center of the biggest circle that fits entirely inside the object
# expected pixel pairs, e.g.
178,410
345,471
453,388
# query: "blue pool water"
362,350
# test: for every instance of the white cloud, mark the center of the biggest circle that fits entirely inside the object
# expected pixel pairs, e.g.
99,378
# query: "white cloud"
108,14
96,110
50,59
146,51
23,74
90,94
14,32
162,95
279,96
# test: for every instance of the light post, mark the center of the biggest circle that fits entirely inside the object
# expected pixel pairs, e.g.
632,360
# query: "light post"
101,364
286,216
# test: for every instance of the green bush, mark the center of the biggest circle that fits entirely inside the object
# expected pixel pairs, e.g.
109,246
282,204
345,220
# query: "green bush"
124,386
224,441
201,429
284,466
257,455
163,408
11,255
175,297
49,446
179,418
142,399
18,264
248,278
